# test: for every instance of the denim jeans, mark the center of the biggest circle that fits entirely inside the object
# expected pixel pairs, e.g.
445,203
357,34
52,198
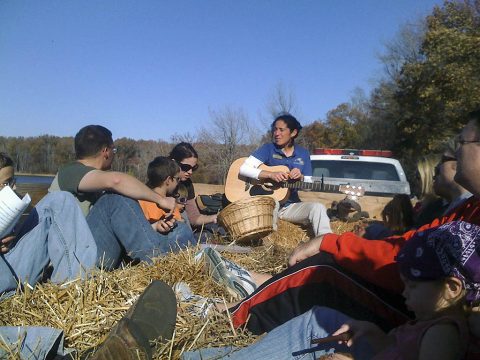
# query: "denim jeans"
55,233
120,228
31,342
291,340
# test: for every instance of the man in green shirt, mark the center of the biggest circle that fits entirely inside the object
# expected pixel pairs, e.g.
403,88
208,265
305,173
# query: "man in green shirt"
109,201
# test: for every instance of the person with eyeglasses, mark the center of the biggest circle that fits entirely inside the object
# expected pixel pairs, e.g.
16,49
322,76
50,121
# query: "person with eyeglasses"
186,157
7,179
109,200
444,184
361,273
163,177
54,234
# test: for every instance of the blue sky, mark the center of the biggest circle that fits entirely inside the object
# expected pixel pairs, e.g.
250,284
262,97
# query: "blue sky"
149,69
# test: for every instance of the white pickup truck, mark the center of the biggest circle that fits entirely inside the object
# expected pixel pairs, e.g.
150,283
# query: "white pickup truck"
374,170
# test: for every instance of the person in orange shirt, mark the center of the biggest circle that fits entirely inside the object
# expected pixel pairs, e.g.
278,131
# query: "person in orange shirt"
163,178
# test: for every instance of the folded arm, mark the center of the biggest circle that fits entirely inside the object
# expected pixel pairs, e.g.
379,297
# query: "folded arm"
124,184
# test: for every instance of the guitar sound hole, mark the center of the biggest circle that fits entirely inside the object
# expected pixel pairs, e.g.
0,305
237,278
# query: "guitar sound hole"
259,190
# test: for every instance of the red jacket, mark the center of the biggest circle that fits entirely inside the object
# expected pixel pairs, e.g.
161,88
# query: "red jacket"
374,260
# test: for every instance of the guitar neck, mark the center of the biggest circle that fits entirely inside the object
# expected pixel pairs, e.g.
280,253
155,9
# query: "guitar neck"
313,186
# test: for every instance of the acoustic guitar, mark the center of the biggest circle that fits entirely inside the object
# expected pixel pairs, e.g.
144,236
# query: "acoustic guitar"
239,187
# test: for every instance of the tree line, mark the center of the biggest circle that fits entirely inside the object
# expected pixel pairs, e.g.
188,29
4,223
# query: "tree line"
430,81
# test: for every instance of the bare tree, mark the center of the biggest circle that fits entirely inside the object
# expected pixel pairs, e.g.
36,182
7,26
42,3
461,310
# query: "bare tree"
281,100
230,134
404,48
185,137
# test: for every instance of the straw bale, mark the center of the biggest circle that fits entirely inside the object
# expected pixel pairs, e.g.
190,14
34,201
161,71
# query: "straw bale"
86,310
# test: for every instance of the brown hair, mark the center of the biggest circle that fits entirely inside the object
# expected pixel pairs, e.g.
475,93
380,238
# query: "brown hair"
5,160
398,214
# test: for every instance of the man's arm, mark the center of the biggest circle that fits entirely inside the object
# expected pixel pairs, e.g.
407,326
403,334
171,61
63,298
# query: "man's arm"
98,180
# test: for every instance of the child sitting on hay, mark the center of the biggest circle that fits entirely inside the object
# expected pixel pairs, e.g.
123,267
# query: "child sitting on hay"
441,272
163,178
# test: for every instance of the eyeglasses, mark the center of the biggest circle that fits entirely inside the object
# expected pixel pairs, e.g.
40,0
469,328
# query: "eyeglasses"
112,148
459,141
9,182
187,167
446,158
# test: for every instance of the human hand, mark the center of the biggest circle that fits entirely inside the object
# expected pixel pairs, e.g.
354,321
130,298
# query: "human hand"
361,329
295,174
5,244
167,202
278,176
305,250
165,225
359,229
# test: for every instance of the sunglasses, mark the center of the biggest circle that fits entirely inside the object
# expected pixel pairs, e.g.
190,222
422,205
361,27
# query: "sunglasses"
459,141
187,167
180,199
446,158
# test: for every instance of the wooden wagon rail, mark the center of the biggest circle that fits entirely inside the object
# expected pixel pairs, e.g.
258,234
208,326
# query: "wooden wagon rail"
36,191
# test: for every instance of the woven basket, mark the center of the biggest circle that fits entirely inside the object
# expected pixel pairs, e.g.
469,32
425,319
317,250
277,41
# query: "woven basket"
249,219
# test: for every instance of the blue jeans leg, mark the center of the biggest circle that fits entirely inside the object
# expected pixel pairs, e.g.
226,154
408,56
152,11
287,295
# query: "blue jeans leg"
180,237
60,237
291,337
120,227
31,342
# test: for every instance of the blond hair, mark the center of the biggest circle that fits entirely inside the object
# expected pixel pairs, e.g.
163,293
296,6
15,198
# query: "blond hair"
426,170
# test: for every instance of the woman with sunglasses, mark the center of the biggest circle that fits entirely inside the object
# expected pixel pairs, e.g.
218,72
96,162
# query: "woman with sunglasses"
444,184
187,159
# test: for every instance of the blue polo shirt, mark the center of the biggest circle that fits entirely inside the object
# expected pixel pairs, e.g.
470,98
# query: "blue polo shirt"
271,155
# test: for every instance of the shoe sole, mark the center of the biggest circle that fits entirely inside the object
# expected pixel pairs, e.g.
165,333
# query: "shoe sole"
220,274
155,311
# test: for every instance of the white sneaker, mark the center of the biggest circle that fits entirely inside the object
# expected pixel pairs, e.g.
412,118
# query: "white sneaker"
238,280
195,305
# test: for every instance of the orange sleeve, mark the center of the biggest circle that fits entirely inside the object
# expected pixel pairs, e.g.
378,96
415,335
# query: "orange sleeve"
151,211
374,260
177,215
